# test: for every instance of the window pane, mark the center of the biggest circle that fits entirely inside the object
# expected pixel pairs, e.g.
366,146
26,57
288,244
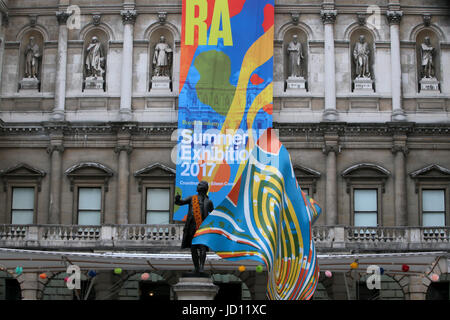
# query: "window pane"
366,219
433,219
158,217
89,218
22,217
158,199
89,198
365,200
23,198
433,200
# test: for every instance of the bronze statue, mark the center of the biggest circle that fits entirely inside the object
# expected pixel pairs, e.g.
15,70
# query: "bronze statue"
199,208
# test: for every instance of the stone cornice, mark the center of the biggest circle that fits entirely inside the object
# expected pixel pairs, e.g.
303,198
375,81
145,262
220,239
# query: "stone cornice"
286,129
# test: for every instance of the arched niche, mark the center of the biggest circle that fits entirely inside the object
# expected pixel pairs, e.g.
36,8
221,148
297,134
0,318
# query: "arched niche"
302,37
103,38
38,38
435,43
370,40
154,37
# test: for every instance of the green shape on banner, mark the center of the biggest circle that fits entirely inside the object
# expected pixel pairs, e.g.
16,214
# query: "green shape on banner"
214,88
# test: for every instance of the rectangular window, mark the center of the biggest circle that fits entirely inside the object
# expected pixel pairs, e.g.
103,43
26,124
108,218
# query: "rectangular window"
22,206
157,206
433,208
89,206
365,207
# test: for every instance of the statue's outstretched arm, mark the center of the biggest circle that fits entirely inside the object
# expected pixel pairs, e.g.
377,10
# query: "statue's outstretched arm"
181,202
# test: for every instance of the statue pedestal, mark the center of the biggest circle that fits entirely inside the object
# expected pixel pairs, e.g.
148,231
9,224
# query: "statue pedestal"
93,84
195,288
363,85
297,84
160,84
429,85
29,85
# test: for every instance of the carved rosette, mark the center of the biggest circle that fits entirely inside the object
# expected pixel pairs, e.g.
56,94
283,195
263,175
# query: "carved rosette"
62,17
394,17
128,16
328,16
426,19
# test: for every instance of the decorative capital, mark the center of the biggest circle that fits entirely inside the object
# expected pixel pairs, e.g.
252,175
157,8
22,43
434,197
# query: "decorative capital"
62,16
400,148
295,16
128,16
162,16
328,16
127,149
52,148
96,17
426,19
394,16
361,17
331,148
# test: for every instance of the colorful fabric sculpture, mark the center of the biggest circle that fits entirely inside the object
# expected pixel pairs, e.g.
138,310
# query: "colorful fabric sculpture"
266,217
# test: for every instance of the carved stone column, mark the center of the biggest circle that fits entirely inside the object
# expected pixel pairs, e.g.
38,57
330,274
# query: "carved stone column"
55,150
31,286
394,17
61,68
331,213
400,150
123,150
128,19
328,18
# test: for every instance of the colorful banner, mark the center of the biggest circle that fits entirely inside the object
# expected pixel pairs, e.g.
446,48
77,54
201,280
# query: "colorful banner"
226,91
266,217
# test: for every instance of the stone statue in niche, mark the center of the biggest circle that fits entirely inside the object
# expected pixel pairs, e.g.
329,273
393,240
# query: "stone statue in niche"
429,82
95,65
162,58
295,80
361,58
426,53
295,57
32,57
31,73
162,63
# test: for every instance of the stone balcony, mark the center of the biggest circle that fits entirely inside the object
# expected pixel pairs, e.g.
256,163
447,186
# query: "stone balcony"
163,238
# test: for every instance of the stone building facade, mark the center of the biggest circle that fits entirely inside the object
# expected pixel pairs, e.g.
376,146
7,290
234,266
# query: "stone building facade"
373,148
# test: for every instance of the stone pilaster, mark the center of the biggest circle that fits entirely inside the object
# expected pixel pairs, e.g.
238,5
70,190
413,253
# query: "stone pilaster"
394,17
55,150
58,113
328,18
123,149
400,151
331,149
128,19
